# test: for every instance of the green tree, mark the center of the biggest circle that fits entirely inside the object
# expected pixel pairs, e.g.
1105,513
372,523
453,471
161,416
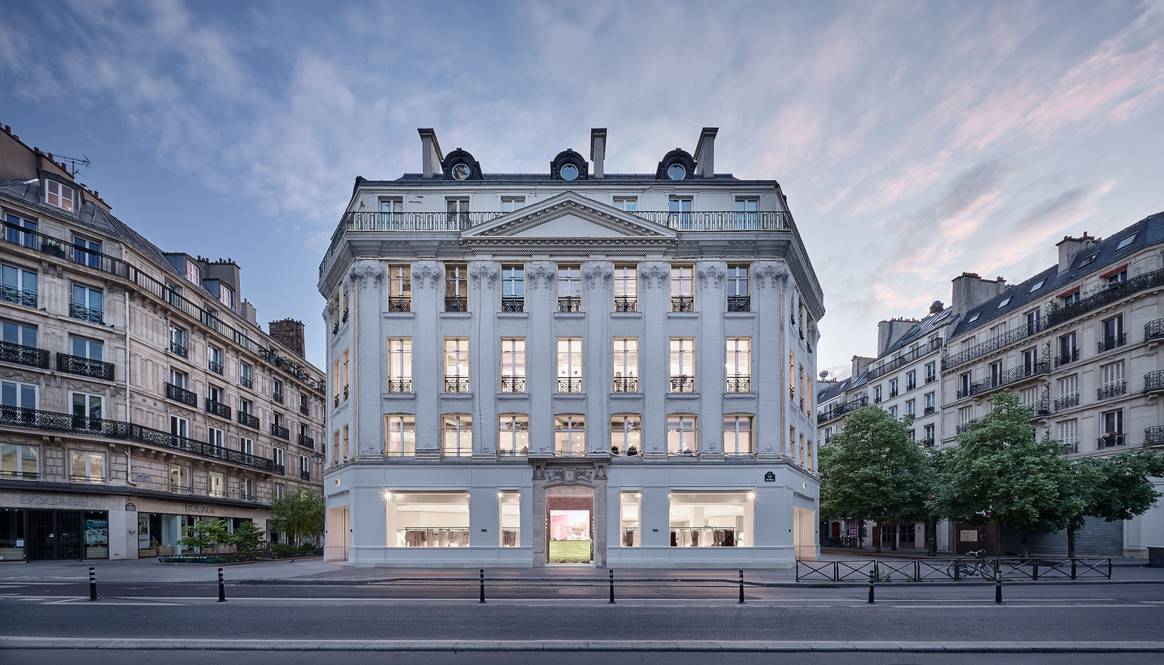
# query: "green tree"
1114,488
206,534
246,537
299,515
871,470
1001,474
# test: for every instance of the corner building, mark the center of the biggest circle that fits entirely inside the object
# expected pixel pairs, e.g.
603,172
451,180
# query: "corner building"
570,367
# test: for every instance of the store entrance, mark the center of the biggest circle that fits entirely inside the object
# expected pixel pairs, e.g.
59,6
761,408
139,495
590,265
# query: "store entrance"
570,525
54,534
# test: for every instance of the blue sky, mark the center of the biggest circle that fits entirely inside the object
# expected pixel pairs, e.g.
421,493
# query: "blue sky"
915,141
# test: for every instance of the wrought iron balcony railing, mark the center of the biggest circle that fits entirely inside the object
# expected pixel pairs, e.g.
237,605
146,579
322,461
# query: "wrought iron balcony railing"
904,359
246,381
682,303
29,356
1113,389
738,383
456,384
18,296
965,427
1066,357
834,412
180,394
278,395
90,314
64,250
1154,436
990,346
513,304
280,431
307,441
1113,342
96,369
1154,330
1111,440
304,475
569,384
178,349
1154,382
569,304
52,421
1010,377
682,384
1067,402
456,304
214,366
249,420
626,384
399,304
626,304
1057,314
513,384
401,385
303,410
217,408
929,411
739,304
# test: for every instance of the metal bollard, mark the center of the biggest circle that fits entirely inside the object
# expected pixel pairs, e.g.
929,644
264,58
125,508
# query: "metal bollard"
1035,570
872,578
92,583
997,584
741,587
612,587
1073,569
221,588
482,600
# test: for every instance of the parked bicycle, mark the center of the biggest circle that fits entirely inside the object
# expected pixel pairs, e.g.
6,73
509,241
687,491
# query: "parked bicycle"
975,566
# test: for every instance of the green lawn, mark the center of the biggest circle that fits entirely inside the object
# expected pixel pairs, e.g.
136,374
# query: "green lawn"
569,551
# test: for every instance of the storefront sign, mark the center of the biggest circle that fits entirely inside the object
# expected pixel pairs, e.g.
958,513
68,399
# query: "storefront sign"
199,508
968,535
769,477
65,501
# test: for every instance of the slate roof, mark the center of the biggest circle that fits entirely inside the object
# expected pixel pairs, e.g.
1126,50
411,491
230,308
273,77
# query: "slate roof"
640,179
1096,259
831,389
921,330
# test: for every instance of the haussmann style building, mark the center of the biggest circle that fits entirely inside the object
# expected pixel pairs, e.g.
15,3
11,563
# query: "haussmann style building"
570,367
138,394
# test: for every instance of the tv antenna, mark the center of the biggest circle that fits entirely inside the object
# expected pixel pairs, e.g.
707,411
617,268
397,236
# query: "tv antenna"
74,164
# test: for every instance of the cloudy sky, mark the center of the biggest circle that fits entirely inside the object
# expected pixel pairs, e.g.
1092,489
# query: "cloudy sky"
915,141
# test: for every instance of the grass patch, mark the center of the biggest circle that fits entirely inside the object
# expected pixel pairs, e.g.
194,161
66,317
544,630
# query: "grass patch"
569,551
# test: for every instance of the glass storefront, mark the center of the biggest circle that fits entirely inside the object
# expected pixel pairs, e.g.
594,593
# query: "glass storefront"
711,519
157,534
11,534
53,534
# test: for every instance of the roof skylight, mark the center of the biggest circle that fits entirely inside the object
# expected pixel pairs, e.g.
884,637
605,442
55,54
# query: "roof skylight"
1037,285
1126,241
1004,303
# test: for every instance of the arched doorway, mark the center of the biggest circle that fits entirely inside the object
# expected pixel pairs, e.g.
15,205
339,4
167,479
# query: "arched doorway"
569,525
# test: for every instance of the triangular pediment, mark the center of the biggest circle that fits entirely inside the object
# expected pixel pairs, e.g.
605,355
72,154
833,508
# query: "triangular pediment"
569,216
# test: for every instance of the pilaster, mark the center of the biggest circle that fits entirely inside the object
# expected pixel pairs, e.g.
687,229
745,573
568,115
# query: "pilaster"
367,282
771,382
597,302
654,303
540,303
709,361
427,356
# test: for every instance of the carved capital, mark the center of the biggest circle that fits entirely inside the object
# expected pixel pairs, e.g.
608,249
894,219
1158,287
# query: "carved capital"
484,274
365,271
769,274
539,274
597,274
425,274
654,275
711,274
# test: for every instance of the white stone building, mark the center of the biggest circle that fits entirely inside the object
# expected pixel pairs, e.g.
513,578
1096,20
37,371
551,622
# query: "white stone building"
570,367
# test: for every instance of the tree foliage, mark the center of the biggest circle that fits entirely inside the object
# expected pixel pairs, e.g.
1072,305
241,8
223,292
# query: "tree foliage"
246,537
206,534
1114,488
871,470
299,515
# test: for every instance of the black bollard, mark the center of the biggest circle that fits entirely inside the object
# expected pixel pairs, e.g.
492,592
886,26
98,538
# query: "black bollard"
871,580
741,587
221,588
92,583
997,589
612,587
482,586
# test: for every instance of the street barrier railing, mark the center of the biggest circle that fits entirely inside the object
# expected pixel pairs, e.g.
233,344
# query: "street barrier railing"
955,569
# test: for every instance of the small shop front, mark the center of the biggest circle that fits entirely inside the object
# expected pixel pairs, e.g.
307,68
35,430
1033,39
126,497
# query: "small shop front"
34,534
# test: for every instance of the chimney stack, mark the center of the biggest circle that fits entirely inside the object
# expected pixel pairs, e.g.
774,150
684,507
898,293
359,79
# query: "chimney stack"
860,364
705,153
597,151
1070,247
970,291
289,333
431,156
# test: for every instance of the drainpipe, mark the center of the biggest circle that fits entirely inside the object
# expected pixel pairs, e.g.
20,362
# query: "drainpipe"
129,469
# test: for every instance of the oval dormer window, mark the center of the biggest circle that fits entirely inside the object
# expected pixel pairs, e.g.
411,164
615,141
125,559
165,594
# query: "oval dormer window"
676,172
568,172
461,171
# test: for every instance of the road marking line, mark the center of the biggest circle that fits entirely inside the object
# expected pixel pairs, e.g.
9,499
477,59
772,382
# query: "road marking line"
1003,605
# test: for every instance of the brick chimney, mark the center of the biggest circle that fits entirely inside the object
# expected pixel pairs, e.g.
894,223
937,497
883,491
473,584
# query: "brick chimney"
289,333
970,291
1069,247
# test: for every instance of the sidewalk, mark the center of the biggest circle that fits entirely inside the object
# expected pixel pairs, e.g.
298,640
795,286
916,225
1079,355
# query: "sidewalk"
849,553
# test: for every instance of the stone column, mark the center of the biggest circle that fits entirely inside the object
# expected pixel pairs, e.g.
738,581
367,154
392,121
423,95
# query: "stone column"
601,515
654,302
483,360
367,359
770,383
540,302
427,356
597,302
710,355
539,514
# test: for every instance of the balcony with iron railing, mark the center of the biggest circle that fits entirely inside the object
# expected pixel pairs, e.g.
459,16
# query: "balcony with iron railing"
1154,382
569,304
304,475
951,360
1111,342
249,420
64,250
682,384
180,394
398,385
626,304
306,441
19,354
399,304
904,359
1154,435
738,383
217,408
304,410
1113,389
456,384
683,304
456,304
966,426
19,296
1066,357
1111,440
280,431
94,369
512,384
834,412
214,366
246,381
626,384
52,421
1067,402
739,304
83,313
177,348
569,384
1154,330
1106,295
1010,377
512,304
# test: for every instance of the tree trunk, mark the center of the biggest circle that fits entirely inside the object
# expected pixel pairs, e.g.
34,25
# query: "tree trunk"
877,537
1071,541
932,537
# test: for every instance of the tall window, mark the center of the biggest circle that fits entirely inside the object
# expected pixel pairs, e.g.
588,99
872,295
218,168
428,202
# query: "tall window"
569,288
738,297
747,208
86,347
513,364
509,518
456,365
1067,433
738,368
570,435
457,436
215,437
216,484
18,286
16,394
682,436
1113,333
87,467
626,434
682,289
87,411
513,288
911,379
214,359
58,194
679,212
1111,428
391,213
246,374
400,430
86,251
626,289
569,364
399,288
737,435
626,364
20,231
193,272
1112,381
682,356
180,478
457,210
630,519
456,287
931,372
513,434
400,364
226,295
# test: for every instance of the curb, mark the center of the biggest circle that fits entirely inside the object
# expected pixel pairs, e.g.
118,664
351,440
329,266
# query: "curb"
580,645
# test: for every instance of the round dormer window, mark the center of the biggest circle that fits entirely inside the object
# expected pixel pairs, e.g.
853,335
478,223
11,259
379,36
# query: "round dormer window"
568,172
461,171
676,172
